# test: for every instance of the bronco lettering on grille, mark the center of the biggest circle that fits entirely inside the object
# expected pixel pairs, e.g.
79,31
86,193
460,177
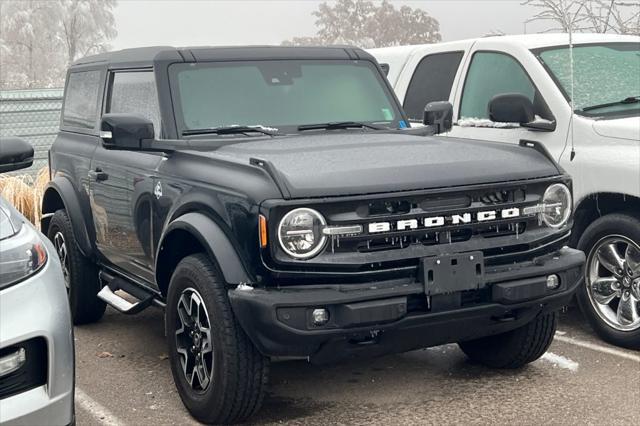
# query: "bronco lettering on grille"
438,221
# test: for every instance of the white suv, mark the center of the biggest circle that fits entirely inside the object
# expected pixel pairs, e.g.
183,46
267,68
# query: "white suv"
514,88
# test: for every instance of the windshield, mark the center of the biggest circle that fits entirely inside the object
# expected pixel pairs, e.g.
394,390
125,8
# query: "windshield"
280,95
605,75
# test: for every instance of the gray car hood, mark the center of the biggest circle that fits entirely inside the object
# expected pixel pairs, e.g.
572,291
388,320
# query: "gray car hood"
349,163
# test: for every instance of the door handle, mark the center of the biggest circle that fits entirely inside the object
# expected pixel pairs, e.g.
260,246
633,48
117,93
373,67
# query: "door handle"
98,175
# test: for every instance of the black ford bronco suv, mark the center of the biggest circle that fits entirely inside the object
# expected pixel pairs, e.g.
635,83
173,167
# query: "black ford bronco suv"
274,203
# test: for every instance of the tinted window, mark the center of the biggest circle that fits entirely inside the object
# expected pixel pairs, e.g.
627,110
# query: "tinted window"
81,100
135,93
432,81
491,74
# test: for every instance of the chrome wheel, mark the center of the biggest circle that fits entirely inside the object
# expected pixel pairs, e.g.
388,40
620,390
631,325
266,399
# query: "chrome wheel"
612,278
61,248
193,340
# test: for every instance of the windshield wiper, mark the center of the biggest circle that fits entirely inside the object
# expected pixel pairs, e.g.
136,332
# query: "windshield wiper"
231,130
629,100
339,125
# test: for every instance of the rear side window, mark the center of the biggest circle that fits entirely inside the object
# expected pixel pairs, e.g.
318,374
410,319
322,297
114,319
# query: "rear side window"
81,100
135,93
432,81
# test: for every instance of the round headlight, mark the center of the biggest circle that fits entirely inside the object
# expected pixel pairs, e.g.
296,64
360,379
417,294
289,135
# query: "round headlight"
556,205
300,233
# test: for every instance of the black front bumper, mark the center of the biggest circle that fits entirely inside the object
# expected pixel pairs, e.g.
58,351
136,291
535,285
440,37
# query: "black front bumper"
396,316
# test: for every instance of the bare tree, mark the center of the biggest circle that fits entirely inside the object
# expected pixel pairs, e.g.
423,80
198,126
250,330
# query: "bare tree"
368,24
39,38
601,16
86,26
28,40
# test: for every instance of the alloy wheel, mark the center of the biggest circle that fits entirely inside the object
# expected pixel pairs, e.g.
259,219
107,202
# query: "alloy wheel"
61,248
193,340
612,278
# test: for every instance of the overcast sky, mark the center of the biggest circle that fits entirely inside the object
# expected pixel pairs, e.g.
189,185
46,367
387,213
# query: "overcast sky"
238,22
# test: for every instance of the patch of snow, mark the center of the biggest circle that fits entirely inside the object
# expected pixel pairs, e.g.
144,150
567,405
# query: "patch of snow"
485,122
539,119
560,361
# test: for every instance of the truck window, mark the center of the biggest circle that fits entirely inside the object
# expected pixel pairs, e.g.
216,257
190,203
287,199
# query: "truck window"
490,74
134,92
280,93
81,100
431,81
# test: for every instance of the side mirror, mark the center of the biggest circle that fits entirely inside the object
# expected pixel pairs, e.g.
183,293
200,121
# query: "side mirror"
511,108
15,154
385,69
517,108
439,115
125,131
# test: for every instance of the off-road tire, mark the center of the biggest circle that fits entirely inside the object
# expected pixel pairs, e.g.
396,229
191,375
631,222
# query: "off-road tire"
514,348
628,226
84,286
240,372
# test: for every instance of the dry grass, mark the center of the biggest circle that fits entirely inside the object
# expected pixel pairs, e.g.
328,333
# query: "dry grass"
25,193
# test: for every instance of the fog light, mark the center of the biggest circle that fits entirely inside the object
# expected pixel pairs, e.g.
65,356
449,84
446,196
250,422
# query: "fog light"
553,282
12,362
320,316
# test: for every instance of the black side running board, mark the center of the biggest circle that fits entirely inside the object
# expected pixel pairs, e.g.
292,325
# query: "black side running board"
109,295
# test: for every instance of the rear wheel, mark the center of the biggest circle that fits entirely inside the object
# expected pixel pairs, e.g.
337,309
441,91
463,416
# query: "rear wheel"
219,374
610,295
80,274
514,348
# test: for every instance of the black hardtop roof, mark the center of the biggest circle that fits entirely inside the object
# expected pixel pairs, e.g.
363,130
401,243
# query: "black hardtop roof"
146,56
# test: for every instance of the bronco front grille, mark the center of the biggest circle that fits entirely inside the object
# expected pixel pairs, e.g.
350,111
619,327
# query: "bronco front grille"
431,238
491,220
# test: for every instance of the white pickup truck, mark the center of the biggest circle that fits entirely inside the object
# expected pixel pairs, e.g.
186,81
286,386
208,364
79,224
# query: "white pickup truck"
513,88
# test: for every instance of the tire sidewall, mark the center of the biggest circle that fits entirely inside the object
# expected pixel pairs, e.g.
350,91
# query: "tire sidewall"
60,224
614,224
212,398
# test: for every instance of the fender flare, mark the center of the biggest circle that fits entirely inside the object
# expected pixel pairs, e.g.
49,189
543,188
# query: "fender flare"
215,241
65,190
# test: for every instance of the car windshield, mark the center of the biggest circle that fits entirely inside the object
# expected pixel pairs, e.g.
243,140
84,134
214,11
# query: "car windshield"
281,95
606,76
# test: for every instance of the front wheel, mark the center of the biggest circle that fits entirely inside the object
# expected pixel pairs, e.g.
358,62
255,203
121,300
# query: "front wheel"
80,273
219,374
610,295
514,348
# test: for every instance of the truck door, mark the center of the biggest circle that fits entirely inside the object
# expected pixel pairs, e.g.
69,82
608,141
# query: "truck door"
122,182
496,69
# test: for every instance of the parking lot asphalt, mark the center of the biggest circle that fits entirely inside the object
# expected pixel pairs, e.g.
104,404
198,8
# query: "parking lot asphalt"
124,378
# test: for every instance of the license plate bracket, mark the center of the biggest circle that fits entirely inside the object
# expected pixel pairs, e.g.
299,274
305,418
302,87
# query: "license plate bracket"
453,273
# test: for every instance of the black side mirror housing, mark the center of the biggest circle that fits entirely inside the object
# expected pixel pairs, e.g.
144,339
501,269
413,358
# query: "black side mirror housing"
385,69
511,108
517,108
439,115
125,131
15,154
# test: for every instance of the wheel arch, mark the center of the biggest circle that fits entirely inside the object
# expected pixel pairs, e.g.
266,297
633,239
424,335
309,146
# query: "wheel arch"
61,194
599,204
193,233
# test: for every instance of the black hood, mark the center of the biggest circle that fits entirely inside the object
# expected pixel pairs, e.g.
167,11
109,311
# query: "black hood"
350,163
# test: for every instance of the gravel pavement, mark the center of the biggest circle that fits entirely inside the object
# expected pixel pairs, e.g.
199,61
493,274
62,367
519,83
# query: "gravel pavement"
123,378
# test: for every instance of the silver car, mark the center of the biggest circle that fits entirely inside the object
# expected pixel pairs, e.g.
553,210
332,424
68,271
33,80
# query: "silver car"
36,335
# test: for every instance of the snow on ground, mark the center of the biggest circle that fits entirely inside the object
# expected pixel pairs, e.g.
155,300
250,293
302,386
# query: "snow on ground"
560,361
